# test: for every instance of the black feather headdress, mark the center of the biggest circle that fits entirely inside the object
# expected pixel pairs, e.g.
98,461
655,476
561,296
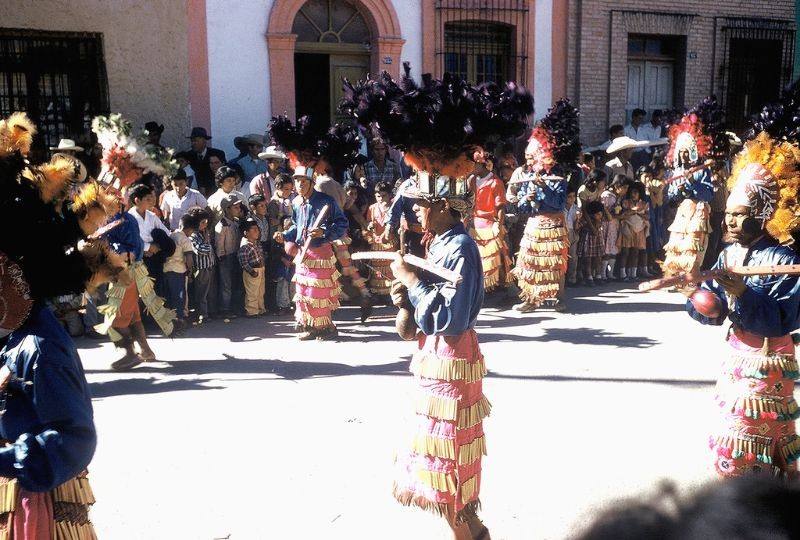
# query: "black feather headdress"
563,123
46,231
339,146
298,141
439,122
712,118
779,120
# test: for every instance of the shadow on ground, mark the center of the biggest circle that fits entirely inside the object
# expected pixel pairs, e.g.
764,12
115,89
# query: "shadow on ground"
216,371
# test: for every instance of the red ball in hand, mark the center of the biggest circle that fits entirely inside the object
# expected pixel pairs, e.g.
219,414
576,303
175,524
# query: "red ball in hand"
706,303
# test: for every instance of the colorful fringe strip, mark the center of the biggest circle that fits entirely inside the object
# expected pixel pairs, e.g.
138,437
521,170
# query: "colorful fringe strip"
542,258
154,304
447,369
71,501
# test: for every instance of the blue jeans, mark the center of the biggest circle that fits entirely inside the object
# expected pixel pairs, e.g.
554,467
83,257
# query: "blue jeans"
175,283
229,274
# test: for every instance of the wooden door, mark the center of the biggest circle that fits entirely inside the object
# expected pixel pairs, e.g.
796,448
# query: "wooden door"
352,66
650,86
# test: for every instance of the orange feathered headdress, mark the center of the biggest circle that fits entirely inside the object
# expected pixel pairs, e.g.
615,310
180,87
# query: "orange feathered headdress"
766,177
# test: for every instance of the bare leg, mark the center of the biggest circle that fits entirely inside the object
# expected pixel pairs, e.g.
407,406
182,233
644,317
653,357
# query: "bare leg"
460,531
130,359
139,335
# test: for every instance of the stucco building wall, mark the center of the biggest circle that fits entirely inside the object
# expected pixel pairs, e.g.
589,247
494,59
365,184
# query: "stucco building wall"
146,52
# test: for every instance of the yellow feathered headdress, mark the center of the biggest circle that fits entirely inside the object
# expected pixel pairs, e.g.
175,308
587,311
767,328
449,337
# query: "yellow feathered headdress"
766,177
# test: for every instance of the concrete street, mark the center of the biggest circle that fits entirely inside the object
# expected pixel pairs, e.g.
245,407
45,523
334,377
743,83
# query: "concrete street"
242,432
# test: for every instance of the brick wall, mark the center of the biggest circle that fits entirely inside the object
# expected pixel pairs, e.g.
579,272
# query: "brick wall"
598,48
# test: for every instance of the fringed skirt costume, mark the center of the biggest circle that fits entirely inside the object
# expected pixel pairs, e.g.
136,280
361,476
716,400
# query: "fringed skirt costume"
441,470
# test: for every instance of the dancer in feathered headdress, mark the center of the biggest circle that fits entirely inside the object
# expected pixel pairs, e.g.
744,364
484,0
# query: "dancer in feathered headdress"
319,223
125,160
440,124
689,182
489,230
542,259
49,217
755,389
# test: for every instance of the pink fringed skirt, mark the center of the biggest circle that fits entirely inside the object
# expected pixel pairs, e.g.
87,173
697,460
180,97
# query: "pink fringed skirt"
755,397
443,467
317,287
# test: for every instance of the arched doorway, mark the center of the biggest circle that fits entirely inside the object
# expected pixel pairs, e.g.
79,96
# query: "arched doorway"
333,41
385,44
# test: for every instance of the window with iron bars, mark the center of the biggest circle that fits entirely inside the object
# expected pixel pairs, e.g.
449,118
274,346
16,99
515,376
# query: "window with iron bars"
57,78
758,61
482,40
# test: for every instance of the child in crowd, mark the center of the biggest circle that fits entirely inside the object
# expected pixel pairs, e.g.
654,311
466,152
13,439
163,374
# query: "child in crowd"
205,275
633,230
251,259
612,200
380,278
591,242
282,273
280,205
258,212
180,264
227,238
570,219
592,188
653,180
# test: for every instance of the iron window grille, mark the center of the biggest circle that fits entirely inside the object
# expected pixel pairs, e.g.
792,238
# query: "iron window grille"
482,40
58,78
740,38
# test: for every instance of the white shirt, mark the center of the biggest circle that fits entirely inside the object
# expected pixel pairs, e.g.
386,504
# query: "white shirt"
147,224
643,133
571,215
177,262
190,176
175,207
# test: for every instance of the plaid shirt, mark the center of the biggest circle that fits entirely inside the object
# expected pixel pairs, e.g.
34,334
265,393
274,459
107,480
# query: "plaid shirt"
251,256
390,172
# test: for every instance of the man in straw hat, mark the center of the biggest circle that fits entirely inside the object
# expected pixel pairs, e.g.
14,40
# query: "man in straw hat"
251,164
264,183
622,148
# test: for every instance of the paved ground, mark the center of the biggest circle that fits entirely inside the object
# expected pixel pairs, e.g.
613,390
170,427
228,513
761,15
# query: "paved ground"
242,432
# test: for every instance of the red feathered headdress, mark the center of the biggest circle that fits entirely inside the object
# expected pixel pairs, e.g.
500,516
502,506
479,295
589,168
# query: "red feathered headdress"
688,134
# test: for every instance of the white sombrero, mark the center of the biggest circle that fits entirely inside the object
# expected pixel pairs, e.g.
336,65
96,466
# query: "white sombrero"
66,145
623,143
272,152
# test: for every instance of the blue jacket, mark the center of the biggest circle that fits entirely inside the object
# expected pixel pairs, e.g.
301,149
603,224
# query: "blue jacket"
48,414
697,187
125,238
442,308
305,214
548,199
771,305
